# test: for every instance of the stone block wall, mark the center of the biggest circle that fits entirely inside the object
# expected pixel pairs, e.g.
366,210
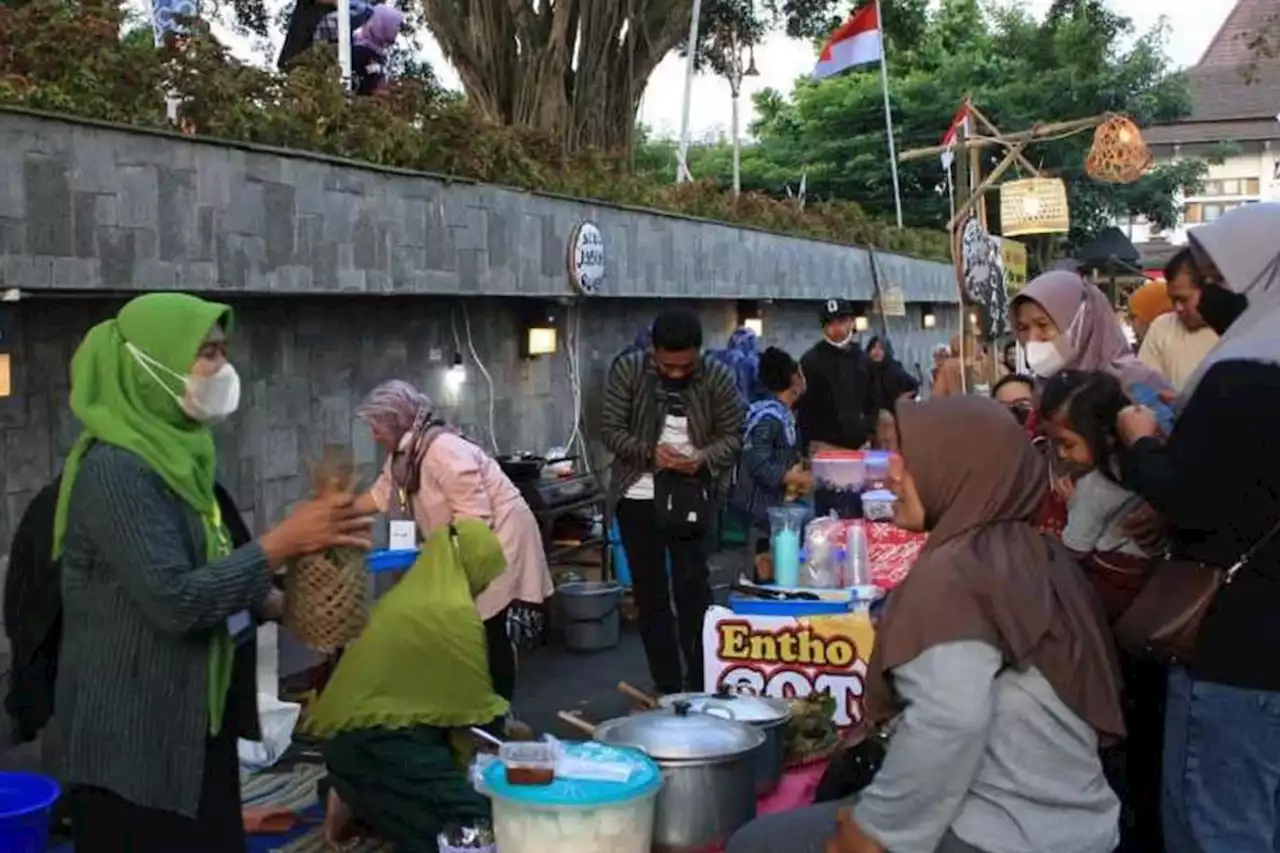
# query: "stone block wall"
89,206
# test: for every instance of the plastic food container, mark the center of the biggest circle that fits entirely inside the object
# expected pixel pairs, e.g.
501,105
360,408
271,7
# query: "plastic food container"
528,763
577,815
877,464
842,470
878,505
839,476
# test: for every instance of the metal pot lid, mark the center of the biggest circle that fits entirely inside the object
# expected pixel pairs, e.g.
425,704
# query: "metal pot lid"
757,710
680,734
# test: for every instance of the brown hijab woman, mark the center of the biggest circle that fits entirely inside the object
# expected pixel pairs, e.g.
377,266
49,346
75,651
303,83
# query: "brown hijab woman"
993,655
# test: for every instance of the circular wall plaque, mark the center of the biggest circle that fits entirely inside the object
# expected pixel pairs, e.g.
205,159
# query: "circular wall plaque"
586,259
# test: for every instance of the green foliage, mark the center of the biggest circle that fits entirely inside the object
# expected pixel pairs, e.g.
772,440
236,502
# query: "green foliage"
72,59
1019,71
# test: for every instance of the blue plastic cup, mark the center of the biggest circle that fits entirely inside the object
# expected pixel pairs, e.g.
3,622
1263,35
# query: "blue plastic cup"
26,806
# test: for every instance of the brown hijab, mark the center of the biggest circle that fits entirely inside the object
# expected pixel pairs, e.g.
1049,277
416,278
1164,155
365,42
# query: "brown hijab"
985,573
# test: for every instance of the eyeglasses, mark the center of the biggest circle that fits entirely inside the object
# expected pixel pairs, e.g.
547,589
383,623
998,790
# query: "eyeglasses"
1020,410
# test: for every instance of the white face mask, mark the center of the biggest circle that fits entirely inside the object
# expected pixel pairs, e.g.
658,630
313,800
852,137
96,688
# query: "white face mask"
1044,358
206,399
845,344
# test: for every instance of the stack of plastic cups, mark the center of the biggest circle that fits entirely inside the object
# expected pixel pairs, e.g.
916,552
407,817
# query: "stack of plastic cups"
857,563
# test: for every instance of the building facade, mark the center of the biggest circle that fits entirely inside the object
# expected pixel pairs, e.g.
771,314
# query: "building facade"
1233,125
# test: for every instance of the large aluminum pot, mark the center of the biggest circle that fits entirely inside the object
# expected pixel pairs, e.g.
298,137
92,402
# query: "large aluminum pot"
708,772
768,715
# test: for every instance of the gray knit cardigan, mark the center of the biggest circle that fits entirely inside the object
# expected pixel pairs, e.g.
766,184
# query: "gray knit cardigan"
139,605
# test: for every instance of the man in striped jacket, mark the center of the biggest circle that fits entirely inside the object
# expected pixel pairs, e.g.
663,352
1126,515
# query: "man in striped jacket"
673,420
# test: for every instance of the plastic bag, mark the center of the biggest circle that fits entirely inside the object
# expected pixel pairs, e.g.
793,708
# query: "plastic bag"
823,540
276,720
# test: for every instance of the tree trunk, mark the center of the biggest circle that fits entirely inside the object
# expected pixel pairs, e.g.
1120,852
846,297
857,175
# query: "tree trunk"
574,69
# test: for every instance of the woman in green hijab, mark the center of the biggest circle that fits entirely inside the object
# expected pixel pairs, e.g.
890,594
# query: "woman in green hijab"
418,671
156,590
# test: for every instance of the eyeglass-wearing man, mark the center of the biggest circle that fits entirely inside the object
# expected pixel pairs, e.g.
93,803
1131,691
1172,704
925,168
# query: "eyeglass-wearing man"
673,420
835,412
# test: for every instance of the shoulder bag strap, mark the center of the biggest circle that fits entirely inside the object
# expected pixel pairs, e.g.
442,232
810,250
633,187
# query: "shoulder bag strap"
1249,555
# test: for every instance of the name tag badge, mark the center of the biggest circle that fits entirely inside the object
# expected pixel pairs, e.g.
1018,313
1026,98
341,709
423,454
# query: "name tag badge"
403,536
238,625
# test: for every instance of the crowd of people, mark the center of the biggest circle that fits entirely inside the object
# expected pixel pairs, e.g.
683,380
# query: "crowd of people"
1017,723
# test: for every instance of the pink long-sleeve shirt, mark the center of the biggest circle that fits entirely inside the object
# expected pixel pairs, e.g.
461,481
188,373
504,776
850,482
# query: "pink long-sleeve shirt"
460,480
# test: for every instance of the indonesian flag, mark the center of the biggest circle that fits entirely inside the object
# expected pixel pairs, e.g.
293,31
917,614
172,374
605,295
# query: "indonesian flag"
856,42
961,119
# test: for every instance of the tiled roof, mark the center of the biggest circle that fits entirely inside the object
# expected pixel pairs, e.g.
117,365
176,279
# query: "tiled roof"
1235,92
1212,131
1230,46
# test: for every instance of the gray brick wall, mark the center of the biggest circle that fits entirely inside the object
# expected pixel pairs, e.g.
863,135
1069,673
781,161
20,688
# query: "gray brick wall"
89,206
307,362
343,276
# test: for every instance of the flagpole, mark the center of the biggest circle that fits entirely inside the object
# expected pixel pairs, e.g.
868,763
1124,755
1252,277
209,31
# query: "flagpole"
682,164
888,115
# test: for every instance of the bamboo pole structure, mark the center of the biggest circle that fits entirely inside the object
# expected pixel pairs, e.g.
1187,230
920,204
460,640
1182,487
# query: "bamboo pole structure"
970,192
1040,131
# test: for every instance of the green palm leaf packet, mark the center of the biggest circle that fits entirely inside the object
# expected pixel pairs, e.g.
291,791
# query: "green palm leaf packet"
327,593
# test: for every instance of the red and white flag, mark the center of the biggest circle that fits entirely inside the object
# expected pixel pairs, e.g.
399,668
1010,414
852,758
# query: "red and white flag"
961,119
857,42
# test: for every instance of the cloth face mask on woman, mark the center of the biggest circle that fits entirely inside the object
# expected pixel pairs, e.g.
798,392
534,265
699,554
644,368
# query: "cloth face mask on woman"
206,399
1048,358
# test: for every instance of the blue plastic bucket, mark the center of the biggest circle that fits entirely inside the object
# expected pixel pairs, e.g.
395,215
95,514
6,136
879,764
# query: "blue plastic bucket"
26,803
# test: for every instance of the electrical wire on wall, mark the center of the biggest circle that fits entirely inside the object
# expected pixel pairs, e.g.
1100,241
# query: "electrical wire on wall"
475,356
573,355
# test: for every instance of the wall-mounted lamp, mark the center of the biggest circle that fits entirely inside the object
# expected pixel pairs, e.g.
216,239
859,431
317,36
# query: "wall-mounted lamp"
928,319
540,335
456,374
861,323
750,316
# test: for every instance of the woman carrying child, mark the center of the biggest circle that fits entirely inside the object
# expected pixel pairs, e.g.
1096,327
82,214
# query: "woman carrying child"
770,470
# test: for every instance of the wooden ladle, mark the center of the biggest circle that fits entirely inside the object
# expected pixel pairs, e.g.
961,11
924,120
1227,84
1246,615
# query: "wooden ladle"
637,695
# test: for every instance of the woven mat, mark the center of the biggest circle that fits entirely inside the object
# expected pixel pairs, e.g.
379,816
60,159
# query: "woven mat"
295,790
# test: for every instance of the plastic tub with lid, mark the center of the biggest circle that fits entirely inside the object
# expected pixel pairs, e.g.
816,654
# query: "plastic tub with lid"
573,814
843,470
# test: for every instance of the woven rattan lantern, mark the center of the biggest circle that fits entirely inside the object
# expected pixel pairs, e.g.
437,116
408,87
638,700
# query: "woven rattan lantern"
1034,206
327,594
1118,154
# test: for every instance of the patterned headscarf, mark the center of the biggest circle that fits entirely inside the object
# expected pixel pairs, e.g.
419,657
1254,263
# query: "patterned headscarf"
742,358
396,407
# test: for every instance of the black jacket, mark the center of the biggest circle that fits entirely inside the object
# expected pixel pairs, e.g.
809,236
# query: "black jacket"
889,380
33,622
836,406
1217,482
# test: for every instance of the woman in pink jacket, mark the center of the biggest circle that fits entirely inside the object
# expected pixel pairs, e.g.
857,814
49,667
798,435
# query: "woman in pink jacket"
434,475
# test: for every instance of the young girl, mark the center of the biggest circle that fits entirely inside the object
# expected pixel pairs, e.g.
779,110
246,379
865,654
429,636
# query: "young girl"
770,472
1079,411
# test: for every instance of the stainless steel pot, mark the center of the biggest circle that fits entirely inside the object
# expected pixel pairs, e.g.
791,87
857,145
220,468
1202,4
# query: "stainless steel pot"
768,715
708,772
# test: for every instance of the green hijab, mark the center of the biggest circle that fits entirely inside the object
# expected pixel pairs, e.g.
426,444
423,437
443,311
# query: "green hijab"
119,402
422,659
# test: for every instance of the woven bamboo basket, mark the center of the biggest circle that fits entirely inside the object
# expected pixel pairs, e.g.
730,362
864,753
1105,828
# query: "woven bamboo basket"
1034,206
1118,154
327,593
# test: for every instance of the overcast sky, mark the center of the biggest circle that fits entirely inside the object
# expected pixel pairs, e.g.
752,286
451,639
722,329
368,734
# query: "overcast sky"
1192,23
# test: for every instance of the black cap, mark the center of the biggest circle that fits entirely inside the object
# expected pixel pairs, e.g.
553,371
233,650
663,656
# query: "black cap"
834,309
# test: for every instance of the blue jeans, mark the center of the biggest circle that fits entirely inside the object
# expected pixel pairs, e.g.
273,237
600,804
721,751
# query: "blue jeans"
1221,790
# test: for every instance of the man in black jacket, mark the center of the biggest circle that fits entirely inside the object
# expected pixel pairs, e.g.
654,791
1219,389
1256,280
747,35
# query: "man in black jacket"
672,419
834,413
